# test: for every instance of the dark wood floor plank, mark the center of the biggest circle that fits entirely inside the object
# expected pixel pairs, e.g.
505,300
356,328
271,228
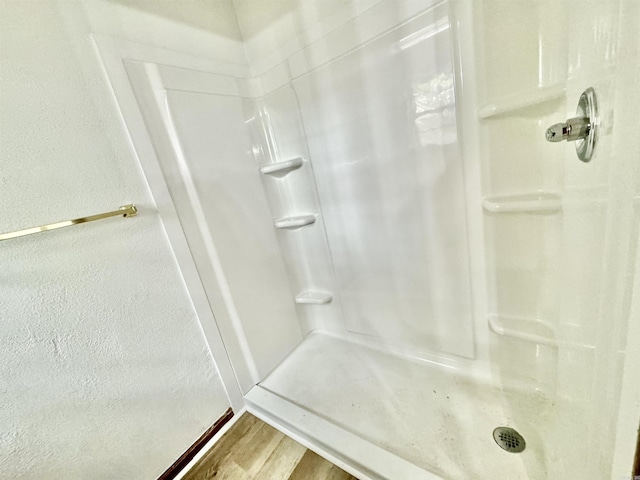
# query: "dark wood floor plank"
253,450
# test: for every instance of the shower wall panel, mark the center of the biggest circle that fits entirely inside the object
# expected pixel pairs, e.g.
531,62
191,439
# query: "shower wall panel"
215,151
277,135
381,126
195,122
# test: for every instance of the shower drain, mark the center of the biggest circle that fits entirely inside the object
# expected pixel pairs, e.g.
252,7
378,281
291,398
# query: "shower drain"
508,439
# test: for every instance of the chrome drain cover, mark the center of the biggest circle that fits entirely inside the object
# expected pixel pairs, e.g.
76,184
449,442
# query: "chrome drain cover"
508,439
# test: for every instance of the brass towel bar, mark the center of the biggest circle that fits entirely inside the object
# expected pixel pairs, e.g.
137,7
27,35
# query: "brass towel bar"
126,211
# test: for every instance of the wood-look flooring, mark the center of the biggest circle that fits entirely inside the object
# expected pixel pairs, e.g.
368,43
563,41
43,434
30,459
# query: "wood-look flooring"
253,450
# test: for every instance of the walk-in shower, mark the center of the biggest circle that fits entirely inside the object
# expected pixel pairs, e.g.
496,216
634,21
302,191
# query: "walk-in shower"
406,274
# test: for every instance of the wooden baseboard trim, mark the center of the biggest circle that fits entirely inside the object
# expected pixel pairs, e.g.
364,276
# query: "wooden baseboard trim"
193,450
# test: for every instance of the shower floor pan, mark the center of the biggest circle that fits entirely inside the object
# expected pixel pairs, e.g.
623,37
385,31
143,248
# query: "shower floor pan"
383,416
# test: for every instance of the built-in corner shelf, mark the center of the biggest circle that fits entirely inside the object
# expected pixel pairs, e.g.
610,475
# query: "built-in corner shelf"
311,297
296,221
534,330
280,169
520,101
534,202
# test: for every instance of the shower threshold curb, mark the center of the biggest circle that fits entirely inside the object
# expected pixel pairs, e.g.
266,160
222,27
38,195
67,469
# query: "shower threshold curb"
348,451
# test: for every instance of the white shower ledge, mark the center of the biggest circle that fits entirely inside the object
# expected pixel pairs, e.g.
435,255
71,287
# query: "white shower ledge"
295,221
312,297
534,202
521,100
280,169
533,330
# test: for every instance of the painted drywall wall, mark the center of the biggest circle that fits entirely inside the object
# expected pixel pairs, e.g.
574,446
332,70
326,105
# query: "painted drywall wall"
211,16
104,371
273,31
305,31
205,28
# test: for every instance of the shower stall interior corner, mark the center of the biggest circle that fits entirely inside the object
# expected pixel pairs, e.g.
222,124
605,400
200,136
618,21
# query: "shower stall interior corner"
398,262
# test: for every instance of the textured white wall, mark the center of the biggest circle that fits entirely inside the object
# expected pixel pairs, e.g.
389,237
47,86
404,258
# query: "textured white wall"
104,372
205,28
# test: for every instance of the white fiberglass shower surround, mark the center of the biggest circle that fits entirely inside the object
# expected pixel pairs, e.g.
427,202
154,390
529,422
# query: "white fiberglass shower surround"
397,261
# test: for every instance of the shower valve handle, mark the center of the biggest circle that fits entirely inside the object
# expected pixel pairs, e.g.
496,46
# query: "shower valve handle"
582,129
571,130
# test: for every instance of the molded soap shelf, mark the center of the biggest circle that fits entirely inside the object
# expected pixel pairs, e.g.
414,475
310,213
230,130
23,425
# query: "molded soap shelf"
516,102
280,169
536,331
296,221
311,297
535,202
